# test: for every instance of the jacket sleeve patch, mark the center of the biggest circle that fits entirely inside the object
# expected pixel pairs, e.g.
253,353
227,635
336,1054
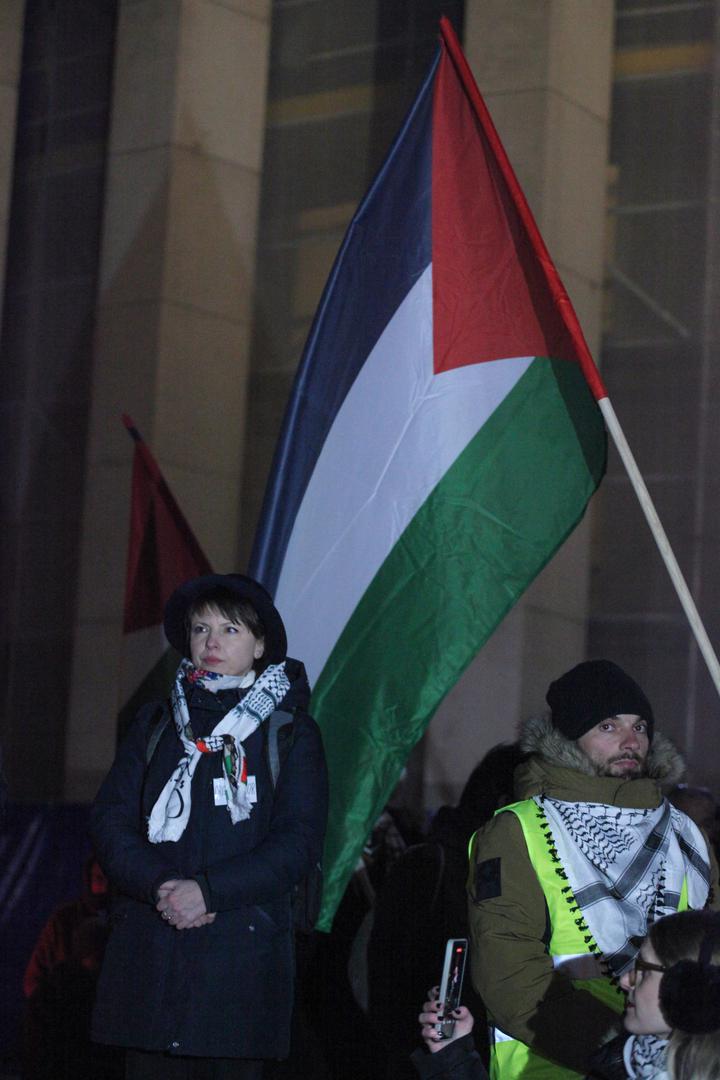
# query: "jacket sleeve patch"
487,880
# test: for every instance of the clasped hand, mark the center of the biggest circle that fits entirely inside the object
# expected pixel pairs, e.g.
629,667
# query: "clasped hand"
182,904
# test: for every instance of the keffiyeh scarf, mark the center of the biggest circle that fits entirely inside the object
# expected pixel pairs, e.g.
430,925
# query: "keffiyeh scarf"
171,812
626,868
644,1057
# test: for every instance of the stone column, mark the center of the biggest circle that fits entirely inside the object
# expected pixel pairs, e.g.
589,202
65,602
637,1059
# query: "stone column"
173,312
545,71
12,14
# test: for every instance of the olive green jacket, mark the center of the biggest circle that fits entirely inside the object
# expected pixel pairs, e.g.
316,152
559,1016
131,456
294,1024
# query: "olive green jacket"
511,969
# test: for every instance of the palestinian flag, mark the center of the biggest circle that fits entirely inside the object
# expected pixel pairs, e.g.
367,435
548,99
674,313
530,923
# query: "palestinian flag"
162,553
441,442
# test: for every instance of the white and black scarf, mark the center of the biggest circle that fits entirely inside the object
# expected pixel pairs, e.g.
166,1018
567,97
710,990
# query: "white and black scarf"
645,1057
171,812
626,868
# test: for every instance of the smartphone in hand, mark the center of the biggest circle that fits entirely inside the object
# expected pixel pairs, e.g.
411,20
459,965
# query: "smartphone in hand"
451,983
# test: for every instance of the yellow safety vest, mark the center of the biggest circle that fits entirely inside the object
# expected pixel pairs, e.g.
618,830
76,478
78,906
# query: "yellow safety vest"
571,946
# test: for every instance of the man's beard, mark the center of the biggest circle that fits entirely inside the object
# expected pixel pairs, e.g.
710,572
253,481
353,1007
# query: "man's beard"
634,774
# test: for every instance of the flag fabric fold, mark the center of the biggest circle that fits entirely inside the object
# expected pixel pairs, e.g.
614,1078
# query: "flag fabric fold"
441,442
162,553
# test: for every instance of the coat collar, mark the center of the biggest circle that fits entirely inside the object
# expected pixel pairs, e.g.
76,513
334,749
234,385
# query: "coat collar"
558,767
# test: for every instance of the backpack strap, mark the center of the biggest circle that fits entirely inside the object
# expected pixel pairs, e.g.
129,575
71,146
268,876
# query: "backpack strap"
158,724
278,741
306,896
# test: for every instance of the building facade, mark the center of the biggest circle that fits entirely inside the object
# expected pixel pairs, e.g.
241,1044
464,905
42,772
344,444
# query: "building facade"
175,181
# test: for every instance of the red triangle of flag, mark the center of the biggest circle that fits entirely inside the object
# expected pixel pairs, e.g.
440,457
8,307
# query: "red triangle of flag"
162,549
496,292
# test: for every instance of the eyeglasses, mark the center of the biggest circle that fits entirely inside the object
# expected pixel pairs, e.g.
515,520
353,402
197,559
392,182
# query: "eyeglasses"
643,966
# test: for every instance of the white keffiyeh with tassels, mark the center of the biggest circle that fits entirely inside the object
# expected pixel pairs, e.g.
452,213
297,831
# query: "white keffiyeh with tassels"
171,812
627,868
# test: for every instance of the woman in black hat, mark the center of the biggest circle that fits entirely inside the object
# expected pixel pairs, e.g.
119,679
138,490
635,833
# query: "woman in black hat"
205,849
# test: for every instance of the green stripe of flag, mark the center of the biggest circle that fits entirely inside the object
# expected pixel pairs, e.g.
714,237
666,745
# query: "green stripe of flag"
485,531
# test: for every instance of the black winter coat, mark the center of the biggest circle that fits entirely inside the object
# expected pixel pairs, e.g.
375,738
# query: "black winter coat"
225,989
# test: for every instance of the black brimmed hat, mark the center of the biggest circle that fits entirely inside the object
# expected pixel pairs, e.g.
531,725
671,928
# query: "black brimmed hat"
241,587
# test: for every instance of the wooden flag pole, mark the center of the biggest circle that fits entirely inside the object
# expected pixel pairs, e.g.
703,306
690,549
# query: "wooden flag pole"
660,536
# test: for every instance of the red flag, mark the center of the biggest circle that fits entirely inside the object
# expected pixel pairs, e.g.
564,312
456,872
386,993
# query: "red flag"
162,550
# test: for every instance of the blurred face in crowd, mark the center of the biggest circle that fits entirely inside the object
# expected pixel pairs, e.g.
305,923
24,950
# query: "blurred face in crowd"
618,746
642,1011
221,644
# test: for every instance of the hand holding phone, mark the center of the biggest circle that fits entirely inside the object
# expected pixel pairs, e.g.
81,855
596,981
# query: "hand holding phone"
451,984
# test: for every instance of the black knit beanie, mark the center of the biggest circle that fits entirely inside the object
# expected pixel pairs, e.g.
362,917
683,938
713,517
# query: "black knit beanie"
591,692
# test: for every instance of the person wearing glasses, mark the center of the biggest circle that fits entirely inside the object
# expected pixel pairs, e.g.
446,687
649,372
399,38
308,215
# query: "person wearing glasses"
673,1005
671,1020
565,881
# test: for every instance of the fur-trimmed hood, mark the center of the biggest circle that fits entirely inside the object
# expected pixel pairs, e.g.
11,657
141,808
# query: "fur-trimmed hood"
558,766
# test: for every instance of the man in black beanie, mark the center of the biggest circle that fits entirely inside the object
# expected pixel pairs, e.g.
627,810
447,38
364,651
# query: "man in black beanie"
607,714
565,881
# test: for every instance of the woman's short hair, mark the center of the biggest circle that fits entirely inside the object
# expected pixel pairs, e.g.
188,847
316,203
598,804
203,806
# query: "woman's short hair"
230,607
690,936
